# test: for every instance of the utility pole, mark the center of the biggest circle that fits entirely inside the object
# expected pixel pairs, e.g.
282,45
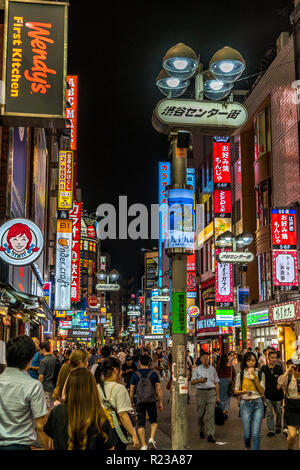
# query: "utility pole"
179,340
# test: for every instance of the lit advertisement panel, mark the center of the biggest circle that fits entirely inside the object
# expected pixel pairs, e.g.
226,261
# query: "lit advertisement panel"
285,269
222,203
181,219
224,282
71,112
284,236
65,180
63,274
221,156
156,316
75,216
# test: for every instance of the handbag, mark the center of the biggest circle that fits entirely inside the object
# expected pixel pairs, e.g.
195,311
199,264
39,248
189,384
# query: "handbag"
114,415
219,416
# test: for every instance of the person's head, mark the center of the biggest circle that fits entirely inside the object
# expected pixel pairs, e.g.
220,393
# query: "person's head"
266,352
257,349
109,369
79,358
105,352
93,351
55,352
240,357
81,394
272,357
129,360
67,353
144,361
249,349
204,357
278,354
249,361
19,352
223,362
61,380
45,348
37,343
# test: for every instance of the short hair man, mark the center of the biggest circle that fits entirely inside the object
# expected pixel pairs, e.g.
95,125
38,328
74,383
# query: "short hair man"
46,372
273,394
206,378
23,408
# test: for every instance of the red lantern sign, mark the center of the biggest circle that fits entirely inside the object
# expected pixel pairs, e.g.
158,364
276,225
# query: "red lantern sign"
93,301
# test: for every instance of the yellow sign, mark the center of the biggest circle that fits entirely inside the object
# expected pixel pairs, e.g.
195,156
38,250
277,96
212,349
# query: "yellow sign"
60,313
205,234
221,226
65,180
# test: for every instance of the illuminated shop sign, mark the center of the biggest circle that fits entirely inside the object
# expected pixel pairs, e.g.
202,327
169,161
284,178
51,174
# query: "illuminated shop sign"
65,180
181,219
224,318
284,236
75,216
63,274
221,156
71,112
285,269
224,283
222,203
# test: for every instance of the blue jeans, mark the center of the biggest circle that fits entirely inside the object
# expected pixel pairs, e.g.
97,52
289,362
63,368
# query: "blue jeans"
252,413
224,397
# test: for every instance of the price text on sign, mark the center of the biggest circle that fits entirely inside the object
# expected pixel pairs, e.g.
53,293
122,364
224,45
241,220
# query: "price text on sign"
179,312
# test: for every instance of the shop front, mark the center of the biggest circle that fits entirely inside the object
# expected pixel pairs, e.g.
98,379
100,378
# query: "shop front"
207,334
286,320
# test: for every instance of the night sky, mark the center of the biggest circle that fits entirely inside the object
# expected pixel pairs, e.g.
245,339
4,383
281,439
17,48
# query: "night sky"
117,55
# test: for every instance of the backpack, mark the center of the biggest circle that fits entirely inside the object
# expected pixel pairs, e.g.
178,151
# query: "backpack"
145,391
112,416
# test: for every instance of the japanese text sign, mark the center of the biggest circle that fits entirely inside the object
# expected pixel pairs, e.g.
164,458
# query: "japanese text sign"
63,274
179,313
222,203
285,268
75,216
221,154
71,112
65,180
224,283
284,235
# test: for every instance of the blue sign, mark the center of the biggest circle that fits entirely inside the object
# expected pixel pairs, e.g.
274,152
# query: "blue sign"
93,325
181,219
191,295
156,314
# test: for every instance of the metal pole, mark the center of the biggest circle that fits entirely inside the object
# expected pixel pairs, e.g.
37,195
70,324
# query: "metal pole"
179,341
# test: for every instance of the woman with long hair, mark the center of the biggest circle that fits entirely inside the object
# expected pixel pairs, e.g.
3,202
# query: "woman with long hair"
80,422
78,358
250,388
226,374
114,395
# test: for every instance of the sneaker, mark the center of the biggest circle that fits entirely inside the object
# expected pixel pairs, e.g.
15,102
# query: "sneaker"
144,448
211,439
271,434
151,443
285,432
202,435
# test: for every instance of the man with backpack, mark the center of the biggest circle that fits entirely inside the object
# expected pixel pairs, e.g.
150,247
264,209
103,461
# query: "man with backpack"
145,384
273,396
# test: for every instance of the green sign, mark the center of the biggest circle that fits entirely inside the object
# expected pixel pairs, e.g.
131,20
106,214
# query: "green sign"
35,58
253,318
179,313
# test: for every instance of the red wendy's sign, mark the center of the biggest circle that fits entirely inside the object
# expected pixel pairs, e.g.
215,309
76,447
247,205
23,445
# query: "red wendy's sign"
284,236
35,58
222,203
221,154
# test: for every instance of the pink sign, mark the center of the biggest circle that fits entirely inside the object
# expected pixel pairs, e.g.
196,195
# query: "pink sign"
224,282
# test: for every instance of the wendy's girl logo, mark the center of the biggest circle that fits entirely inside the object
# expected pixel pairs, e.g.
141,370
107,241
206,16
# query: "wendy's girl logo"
21,242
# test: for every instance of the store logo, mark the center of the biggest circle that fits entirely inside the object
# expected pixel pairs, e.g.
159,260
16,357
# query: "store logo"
39,69
21,242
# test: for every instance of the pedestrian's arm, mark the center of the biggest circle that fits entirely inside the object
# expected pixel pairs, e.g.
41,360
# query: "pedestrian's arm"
258,386
218,391
131,392
126,422
40,423
41,377
160,395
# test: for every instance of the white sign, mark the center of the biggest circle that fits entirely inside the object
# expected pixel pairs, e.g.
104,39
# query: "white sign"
284,312
133,313
153,337
187,113
160,298
63,274
235,257
108,287
285,268
21,242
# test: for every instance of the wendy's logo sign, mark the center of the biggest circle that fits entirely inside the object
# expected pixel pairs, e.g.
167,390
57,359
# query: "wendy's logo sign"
21,242
38,76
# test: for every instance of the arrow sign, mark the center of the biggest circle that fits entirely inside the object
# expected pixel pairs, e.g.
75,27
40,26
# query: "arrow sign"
235,257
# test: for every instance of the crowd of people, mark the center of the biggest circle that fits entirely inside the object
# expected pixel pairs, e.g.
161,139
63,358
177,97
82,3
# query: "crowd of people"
81,400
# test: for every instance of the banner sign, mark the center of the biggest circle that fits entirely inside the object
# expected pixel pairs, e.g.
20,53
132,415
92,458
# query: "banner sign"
35,59
222,203
63,275
224,318
243,299
191,262
284,236
75,216
224,283
156,314
164,180
181,219
179,314
284,312
187,113
221,155
21,242
235,257
65,180
285,269
71,113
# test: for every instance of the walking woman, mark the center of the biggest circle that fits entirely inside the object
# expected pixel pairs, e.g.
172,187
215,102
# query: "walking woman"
226,374
80,422
290,382
250,387
114,396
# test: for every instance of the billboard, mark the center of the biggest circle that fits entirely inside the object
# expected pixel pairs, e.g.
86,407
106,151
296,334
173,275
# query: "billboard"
285,269
164,180
284,236
63,274
181,219
224,318
35,59
71,112
156,315
65,180
222,203
221,156
224,283
75,216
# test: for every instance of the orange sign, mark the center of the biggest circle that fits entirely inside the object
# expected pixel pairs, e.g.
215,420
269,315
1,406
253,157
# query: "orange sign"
71,112
64,226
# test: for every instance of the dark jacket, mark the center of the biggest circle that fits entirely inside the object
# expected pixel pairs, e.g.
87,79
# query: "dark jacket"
271,375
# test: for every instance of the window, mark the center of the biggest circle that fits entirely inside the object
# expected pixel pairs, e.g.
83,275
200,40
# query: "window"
265,276
201,261
263,204
262,130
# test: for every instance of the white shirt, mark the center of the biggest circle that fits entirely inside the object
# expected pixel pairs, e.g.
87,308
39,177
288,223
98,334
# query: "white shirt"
118,396
208,373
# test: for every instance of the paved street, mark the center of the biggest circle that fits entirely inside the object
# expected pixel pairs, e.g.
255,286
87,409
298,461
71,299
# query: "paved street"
230,435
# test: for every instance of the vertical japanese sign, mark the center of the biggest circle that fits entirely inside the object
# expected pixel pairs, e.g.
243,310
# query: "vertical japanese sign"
35,58
156,315
71,112
285,256
63,274
179,314
221,155
75,216
191,285
65,180
224,283
222,198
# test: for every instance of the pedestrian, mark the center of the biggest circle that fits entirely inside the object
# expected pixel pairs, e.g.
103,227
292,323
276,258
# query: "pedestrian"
290,382
215,357
92,357
279,360
156,362
106,352
35,364
206,378
122,356
23,408
114,395
67,354
61,356
165,364
46,372
250,388
273,396
88,427
263,360
257,352
226,374
128,370
145,384
237,366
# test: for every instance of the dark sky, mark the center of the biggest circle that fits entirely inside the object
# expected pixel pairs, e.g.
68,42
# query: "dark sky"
117,54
